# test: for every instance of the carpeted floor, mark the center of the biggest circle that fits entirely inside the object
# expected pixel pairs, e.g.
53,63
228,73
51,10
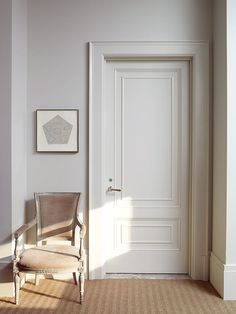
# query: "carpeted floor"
120,296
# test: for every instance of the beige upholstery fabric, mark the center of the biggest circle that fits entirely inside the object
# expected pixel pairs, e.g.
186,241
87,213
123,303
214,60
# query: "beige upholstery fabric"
50,257
56,213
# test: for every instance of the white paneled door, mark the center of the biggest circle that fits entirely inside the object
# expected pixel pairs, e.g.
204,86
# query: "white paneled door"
145,167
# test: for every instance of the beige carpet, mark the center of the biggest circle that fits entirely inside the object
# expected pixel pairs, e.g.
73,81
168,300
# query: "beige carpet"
123,296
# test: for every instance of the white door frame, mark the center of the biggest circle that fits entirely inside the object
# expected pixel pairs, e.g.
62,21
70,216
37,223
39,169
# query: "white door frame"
197,52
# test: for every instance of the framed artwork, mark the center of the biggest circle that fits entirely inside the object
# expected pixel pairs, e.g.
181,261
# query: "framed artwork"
57,130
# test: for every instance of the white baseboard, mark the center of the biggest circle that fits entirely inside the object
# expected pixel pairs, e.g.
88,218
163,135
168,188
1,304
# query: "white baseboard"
217,274
223,277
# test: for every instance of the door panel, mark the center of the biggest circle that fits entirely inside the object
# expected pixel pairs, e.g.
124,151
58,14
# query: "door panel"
146,149
140,234
141,158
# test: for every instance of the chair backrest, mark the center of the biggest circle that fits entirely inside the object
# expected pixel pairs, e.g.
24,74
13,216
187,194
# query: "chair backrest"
56,213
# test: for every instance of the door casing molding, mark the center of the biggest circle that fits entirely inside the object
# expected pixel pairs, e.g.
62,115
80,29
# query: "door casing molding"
197,52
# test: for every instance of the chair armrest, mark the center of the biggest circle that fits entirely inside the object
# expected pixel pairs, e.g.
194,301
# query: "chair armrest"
82,228
17,234
24,228
82,235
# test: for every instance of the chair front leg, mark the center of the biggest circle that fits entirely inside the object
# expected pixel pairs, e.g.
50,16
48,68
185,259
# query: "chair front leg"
36,281
75,278
16,272
17,286
81,285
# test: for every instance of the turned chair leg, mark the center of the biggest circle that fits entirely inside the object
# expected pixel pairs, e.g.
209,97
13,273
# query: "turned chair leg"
81,286
75,278
17,287
36,282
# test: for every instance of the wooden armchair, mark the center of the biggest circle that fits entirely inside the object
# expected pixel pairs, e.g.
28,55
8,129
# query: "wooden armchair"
56,219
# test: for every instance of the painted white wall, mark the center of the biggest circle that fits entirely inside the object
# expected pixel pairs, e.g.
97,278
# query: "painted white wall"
223,257
231,133
59,32
220,129
19,110
219,145
58,78
230,267
13,102
5,155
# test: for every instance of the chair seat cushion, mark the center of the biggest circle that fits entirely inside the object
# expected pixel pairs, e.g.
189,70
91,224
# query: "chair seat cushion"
50,258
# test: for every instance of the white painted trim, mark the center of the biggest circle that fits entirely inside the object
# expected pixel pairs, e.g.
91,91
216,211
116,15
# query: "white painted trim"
223,277
198,53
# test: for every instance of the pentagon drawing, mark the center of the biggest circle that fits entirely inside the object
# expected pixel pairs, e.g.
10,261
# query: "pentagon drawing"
57,130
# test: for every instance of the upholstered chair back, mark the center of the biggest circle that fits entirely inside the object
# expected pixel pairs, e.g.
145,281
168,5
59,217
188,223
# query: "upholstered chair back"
56,216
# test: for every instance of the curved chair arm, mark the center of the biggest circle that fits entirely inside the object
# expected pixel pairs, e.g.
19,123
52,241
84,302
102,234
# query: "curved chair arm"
82,228
24,228
19,232
82,235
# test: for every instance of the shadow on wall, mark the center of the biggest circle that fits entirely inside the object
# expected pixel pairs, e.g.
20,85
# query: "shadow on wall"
6,265
30,213
6,270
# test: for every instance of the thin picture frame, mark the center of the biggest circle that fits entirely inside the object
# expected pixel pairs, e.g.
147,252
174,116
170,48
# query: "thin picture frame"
57,131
